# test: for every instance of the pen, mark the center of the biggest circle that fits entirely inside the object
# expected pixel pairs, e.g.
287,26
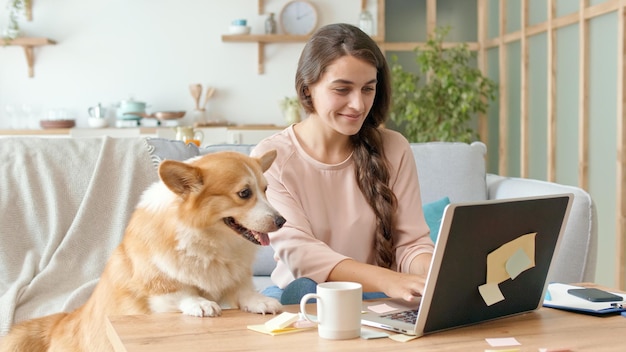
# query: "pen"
554,350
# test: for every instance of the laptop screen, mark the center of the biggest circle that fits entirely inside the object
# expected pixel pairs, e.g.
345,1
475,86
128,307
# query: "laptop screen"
469,236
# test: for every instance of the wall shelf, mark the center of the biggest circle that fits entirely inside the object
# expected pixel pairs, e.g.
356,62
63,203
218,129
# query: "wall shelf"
262,39
28,44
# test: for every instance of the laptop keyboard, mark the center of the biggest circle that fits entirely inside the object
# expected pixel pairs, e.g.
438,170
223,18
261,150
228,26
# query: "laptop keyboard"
408,316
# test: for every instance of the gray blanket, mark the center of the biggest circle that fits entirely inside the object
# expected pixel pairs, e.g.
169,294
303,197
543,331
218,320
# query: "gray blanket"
64,205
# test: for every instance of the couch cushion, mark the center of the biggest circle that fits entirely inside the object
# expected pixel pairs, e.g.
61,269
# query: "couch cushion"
162,149
433,212
455,170
241,148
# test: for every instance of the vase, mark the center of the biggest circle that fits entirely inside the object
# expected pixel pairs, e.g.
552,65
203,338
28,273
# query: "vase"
270,24
366,22
292,114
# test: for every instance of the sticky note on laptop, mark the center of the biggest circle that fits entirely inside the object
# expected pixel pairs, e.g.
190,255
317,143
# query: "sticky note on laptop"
507,259
491,293
507,262
517,263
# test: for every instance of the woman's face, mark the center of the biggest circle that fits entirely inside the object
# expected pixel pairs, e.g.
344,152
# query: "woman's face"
344,95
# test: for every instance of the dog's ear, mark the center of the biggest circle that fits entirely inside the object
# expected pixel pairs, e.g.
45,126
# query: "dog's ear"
267,159
179,177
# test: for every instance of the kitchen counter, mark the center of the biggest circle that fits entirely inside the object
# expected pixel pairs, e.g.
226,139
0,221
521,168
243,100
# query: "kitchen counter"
234,134
67,131
142,130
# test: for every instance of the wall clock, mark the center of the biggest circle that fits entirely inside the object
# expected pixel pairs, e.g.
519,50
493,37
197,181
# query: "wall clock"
298,17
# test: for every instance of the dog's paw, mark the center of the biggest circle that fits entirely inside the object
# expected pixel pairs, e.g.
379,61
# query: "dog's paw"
261,304
200,307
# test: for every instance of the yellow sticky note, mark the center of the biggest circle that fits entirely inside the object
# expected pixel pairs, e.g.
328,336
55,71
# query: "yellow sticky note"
496,260
281,321
262,329
491,293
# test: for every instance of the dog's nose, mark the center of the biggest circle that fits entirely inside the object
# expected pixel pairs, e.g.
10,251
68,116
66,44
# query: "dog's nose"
279,221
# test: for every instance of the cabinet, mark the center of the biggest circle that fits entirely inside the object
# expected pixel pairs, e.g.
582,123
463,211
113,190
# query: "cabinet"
28,43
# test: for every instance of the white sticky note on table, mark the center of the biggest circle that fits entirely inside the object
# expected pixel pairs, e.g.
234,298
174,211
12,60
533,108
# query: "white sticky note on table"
369,334
502,341
491,293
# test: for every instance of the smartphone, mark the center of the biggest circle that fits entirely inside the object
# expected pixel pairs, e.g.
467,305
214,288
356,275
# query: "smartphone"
594,295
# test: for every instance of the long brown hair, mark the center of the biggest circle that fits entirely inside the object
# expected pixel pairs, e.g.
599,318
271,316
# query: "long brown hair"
372,170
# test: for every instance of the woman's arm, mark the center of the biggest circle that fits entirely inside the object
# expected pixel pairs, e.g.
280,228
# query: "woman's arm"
377,279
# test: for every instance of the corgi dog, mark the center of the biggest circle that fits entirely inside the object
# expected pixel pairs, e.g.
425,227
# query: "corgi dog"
189,247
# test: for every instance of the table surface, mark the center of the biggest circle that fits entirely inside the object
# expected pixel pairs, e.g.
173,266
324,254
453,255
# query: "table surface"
544,328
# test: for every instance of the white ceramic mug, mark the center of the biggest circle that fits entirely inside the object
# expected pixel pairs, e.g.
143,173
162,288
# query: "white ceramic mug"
338,309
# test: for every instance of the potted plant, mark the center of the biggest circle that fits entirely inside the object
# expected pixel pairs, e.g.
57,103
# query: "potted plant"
291,109
442,108
17,9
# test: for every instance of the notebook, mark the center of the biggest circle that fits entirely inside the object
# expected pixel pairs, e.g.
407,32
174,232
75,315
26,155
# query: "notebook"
558,297
491,260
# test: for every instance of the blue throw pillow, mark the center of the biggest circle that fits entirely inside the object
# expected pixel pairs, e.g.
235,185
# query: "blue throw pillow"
433,212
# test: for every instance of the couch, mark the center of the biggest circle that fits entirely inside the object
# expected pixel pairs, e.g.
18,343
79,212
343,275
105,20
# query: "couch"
66,201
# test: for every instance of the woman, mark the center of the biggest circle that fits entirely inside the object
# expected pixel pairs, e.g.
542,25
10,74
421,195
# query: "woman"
348,188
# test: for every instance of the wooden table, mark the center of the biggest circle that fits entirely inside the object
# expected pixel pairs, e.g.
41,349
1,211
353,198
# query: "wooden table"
544,328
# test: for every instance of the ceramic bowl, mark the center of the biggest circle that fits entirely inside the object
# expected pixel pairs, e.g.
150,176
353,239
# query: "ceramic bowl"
57,123
235,29
97,122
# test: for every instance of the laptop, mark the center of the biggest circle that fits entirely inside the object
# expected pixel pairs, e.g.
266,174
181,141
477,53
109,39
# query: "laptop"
491,260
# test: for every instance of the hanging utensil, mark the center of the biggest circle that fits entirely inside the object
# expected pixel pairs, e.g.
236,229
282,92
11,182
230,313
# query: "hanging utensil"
196,91
207,96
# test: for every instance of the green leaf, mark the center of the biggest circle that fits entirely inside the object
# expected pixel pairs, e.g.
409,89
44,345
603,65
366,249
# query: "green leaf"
443,107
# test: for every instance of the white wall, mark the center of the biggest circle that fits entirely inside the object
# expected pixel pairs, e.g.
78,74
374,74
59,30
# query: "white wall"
108,50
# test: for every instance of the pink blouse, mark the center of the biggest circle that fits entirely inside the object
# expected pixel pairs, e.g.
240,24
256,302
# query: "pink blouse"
328,218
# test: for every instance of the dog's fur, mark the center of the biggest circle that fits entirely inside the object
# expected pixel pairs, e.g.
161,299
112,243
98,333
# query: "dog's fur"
189,247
